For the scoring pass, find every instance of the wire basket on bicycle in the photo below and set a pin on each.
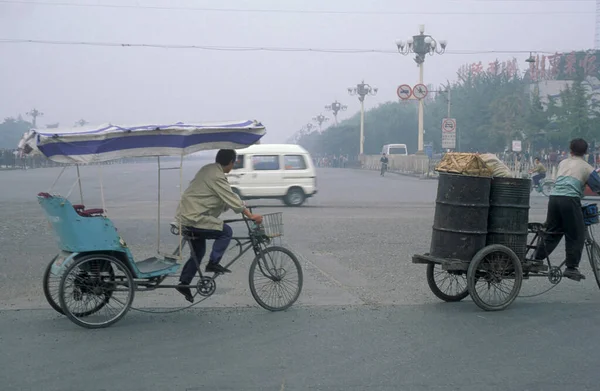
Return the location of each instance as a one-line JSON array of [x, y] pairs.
[[271, 227]]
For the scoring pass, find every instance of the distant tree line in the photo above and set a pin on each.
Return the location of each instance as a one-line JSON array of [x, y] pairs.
[[491, 108]]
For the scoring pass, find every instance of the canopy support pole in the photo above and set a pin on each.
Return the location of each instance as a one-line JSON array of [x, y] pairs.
[[180, 195], [158, 224], [57, 178], [79, 180], [102, 191]]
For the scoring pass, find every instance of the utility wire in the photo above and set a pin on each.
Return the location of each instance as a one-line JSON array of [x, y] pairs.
[[316, 12], [254, 49]]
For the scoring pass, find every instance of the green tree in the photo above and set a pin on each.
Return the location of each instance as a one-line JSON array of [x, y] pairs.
[[576, 115], [11, 131], [491, 109]]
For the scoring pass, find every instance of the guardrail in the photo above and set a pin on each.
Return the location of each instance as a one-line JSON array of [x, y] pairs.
[[423, 166], [414, 165]]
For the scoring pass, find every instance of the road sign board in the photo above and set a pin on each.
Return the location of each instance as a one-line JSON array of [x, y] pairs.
[[449, 125], [516, 145], [449, 133], [404, 92], [420, 91]]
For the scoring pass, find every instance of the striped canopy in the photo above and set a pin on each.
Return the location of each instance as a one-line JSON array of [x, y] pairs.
[[109, 142]]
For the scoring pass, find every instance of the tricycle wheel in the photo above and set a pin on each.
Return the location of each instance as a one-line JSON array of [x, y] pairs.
[[594, 255], [51, 284], [96, 291], [494, 277], [547, 187], [275, 278], [448, 286]]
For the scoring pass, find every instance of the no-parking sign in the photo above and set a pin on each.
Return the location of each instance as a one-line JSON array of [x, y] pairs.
[[449, 133]]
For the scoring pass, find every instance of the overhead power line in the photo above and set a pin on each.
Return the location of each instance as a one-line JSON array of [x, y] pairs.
[[255, 48], [299, 12]]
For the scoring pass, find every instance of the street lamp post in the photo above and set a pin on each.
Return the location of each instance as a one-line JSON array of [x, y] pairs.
[[320, 119], [34, 114], [362, 90], [421, 45], [336, 107]]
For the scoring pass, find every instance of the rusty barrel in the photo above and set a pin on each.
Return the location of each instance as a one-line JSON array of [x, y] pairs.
[[460, 224], [509, 214]]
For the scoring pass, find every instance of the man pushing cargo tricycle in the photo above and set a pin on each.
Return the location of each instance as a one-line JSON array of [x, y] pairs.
[[483, 244]]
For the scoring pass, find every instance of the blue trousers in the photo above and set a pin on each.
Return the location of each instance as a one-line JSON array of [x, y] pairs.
[[537, 178], [198, 249]]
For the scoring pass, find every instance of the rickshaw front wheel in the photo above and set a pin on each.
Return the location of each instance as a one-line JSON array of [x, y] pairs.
[[96, 291]]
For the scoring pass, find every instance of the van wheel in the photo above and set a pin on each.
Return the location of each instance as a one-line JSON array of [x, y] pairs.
[[294, 197]]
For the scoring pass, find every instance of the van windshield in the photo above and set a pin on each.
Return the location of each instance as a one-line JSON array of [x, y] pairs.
[[397, 151]]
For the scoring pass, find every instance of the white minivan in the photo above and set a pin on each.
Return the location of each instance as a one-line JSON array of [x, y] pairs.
[[395, 149], [276, 171]]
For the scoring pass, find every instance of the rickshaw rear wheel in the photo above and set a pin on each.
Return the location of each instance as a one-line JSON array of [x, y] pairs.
[[51, 287], [101, 280], [453, 286], [489, 269]]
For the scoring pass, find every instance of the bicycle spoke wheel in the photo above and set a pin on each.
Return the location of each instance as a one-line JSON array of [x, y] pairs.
[[275, 278], [547, 188], [494, 277], [96, 291], [445, 285], [51, 284], [594, 255]]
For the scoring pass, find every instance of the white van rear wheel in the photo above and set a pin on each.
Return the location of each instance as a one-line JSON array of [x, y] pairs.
[[294, 197]]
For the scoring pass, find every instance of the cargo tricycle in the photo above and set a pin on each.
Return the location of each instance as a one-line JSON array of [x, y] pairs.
[[483, 244]]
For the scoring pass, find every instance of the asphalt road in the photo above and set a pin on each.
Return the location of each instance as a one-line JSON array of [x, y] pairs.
[[366, 318]]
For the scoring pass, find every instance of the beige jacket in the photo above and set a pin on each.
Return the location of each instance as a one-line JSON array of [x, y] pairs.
[[208, 195]]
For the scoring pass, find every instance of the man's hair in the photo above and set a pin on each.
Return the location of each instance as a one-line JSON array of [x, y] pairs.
[[537, 158], [225, 157], [578, 147]]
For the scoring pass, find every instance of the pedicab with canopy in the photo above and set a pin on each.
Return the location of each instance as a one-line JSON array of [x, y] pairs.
[[94, 277]]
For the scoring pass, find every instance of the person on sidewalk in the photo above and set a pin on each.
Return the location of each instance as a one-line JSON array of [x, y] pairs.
[[565, 216], [206, 198]]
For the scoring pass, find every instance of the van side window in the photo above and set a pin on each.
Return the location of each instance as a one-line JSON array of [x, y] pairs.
[[239, 162], [265, 162], [294, 162]]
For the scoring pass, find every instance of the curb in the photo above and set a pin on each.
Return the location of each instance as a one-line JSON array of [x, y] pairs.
[[418, 176]]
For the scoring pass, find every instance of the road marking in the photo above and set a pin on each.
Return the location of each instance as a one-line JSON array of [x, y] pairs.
[[299, 254], [330, 277]]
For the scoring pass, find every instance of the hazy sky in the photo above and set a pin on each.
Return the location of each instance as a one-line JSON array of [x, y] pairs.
[[284, 90]]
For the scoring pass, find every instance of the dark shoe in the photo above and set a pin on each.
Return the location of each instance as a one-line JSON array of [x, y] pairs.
[[573, 274], [216, 268], [186, 292]]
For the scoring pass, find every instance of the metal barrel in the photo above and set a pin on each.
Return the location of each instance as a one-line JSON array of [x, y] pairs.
[[461, 216], [509, 214]]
